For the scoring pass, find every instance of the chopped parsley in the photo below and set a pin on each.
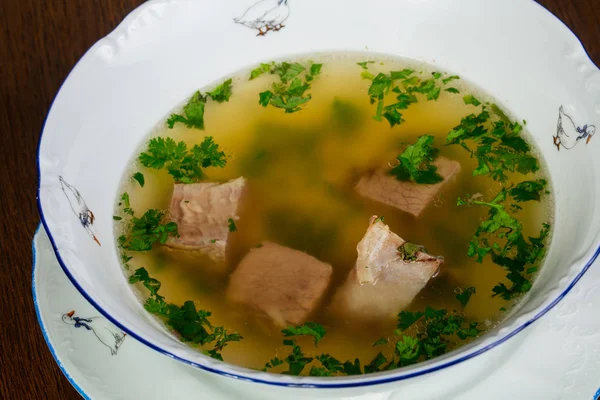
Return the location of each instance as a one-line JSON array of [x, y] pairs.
[[193, 111], [126, 204], [529, 190], [146, 231], [221, 93], [139, 177], [183, 164], [231, 225], [406, 85], [439, 333], [364, 64], [465, 295], [289, 93], [470, 99], [310, 328], [502, 238], [496, 142], [408, 251], [439, 327], [192, 325], [416, 163], [296, 360]]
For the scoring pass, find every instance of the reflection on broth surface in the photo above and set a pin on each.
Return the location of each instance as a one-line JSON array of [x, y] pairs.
[[301, 168]]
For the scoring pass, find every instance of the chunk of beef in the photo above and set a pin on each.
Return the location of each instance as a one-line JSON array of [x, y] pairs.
[[407, 196], [285, 284], [383, 282], [202, 212]]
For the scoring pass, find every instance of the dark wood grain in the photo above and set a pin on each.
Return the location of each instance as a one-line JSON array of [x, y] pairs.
[[40, 41]]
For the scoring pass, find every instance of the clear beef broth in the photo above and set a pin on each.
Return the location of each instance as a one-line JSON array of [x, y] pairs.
[[301, 169]]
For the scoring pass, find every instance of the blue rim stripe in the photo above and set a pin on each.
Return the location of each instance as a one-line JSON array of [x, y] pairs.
[[285, 384], [38, 313]]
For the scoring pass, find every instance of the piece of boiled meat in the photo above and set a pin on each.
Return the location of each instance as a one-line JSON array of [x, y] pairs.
[[407, 196], [386, 277], [202, 212], [285, 284]]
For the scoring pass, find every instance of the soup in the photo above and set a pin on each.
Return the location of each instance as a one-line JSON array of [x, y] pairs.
[[341, 216]]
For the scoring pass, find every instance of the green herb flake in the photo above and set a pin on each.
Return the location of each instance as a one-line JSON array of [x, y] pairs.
[[465, 295], [450, 79], [194, 113], [289, 93], [501, 237], [192, 325], [416, 163], [495, 144], [470, 99], [231, 225], [380, 342], [139, 177], [528, 190], [364, 64], [408, 251], [406, 319], [262, 69], [221, 93], [408, 350], [375, 364], [310, 329], [185, 166], [144, 232]]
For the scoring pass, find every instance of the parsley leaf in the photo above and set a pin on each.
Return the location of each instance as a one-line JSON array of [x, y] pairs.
[[435, 339], [364, 64], [408, 349], [528, 190], [296, 360], [231, 225], [193, 111], [470, 99], [139, 177], [310, 328], [406, 319], [375, 364], [126, 204], [141, 275], [416, 163], [498, 146], [465, 295], [146, 231], [380, 341], [222, 92], [191, 324], [185, 166], [332, 364], [289, 93], [408, 251], [274, 362], [262, 69], [501, 237], [352, 368]]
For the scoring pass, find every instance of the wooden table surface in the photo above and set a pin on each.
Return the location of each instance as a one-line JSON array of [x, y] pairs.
[[40, 41]]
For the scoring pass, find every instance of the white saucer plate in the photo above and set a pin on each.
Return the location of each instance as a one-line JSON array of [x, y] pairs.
[[555, 358]]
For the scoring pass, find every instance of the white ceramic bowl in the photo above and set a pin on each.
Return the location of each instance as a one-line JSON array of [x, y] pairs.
[[166, 49]]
